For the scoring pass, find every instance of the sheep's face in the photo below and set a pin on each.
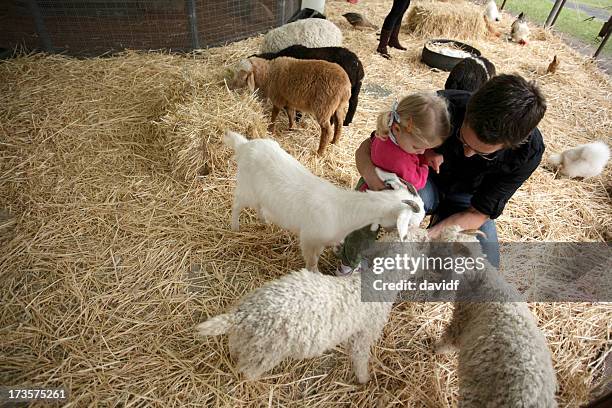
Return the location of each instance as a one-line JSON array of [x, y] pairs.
[[241, 76]]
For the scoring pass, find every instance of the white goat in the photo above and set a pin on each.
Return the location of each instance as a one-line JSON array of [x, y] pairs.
[[309, 32], [504, 360], [302, 315], [587, 160], [285, 193]]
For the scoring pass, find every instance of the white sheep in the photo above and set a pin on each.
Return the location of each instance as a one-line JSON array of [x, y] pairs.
[[287, 194], [504, 360], [491, 11], [310, 32], [302, 315], [587, 160]]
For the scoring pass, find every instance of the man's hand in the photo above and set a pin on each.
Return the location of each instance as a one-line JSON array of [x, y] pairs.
[[468, 219], [433, 159]]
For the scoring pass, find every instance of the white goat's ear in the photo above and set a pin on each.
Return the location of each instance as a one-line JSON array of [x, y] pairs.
[[251, 81], [403, 224], [391, 180], [413, 205]]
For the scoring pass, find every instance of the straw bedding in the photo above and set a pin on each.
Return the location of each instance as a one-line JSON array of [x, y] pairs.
[[114, 227]]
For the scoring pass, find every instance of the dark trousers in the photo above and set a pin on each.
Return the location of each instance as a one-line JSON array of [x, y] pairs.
[[396, 14]]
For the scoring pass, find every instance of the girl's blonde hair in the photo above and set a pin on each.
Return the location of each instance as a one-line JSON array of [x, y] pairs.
[[428, 113]]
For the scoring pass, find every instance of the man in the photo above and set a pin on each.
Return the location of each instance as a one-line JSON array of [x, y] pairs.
[[493, 148]]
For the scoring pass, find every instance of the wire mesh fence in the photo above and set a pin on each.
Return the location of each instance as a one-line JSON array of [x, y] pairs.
[[94, 27]]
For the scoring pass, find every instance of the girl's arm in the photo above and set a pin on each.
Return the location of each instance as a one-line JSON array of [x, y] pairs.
[[366, 167]]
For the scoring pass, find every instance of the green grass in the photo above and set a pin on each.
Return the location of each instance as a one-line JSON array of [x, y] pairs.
[[570, 21]]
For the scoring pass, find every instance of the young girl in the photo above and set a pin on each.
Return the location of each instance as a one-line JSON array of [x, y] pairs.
[[418, 122]]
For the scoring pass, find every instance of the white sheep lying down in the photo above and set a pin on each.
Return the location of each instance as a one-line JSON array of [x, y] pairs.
[[302, 315], [310, 32], [286, 193], [504, 360]]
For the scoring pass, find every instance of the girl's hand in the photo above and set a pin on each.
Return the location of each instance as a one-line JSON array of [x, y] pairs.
[[433, 159]]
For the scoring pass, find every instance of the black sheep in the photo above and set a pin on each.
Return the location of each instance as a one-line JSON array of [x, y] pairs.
[[470, 74], [338, 55]]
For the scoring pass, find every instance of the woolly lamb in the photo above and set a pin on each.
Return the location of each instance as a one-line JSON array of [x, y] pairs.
[[311, 32], [285, 193], [470, 74], [587, 160], [302, 315], [318, 87], [504, 360], [338, 55]]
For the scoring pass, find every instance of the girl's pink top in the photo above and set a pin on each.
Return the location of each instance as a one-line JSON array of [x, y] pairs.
[[408, 166]]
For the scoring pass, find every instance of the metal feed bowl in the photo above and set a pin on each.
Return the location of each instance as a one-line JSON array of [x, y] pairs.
[[445, 62]]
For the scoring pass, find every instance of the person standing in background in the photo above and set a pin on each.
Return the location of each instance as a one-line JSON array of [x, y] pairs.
[[391, 28]]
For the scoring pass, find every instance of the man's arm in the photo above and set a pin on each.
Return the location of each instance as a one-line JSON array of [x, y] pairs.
[[468, 219], [366, 167]]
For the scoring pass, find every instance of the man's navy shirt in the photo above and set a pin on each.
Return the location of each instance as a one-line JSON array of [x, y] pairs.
[[491, 182]]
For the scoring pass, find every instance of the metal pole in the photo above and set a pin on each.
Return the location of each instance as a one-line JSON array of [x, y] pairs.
[[559, 12], [193, 24], [553, 13], [603, 43], [503, 4], [39, 23]]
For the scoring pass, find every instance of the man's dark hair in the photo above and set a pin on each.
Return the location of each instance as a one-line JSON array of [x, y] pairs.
[[505, 110]]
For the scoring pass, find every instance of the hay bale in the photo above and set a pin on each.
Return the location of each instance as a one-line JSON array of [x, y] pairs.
[[446, 20]]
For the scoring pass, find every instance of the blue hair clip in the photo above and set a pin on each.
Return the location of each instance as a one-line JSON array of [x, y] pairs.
[[393, 118]]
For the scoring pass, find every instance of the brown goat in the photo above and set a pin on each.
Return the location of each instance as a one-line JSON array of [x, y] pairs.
[[318, 87]]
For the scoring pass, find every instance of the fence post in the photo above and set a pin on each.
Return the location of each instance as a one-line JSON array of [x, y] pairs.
[[605, 39], [193, 24], [39, 23], [558, 12], [553, 13]]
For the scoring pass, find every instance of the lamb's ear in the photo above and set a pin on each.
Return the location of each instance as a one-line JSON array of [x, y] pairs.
[[413, 205], [403, 224], [474, 233], [251, 81]]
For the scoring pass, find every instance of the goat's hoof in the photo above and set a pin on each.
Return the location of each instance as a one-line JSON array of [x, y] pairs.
[[363, 378]]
